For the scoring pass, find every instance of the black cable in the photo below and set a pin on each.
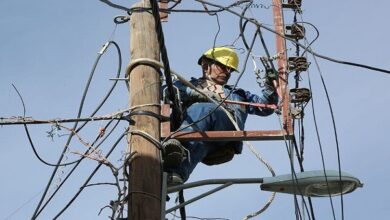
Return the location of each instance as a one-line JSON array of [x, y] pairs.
[[242, 26], [176, 3], [96, 110], [336, 137], [28, 133], [266, 51], [78, 163], [216, 34], [176, 111], [90, 177], [113, 84], [321, 151], [115, 5], [333, 120], [78, 116], [159, 117], [182, 209], [300, 160], [316, 38], [295, 184]]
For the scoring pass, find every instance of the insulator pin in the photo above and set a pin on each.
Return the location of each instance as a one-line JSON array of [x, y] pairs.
[[296, 31], [300, 95], [298, 64]]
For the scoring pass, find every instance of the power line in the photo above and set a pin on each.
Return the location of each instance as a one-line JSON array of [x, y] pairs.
[[78, 163], [89, 178], [102, 51]]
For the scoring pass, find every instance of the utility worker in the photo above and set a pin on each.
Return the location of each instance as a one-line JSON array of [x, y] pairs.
[[217, 64]]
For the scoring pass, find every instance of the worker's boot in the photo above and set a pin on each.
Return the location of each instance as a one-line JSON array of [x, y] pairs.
[[173, 153]]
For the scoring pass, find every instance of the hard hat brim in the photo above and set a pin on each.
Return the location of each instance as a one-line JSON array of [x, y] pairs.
[[204, 57]]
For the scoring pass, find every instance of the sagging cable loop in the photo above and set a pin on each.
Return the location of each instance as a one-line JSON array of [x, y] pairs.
[[120, 19], [148, 137]]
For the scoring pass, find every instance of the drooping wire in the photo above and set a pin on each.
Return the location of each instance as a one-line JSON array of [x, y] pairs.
[[78, 163], [28, 134], [90, 177], [335, 135], [79, 114], [333, 121], [320, 147], [316, 37]]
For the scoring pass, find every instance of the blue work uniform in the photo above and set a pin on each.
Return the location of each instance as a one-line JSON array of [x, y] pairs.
[[217, 120]]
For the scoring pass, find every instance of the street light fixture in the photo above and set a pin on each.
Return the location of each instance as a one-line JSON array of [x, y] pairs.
[[317, 183]]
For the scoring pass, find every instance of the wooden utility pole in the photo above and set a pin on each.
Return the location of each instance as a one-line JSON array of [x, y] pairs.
[[144, 196]]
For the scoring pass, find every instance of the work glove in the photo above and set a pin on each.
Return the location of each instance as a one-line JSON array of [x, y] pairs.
[[270, 76], [198, 97]]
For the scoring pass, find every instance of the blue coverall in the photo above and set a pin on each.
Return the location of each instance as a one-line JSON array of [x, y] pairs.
[[216, 121]]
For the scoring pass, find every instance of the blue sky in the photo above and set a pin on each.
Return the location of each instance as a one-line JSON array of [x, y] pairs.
[[47, 51]]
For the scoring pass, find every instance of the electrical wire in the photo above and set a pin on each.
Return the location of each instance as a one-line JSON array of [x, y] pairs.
[[333, 123], [27, 132], [79, 114], [320, 147], [316, 37], [78, 163], [90, 177], [293, 175], [335, 134]]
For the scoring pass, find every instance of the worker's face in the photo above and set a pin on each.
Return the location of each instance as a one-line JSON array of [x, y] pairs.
[[218, 73]]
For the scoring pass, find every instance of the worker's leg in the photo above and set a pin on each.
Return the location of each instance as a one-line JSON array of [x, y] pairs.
[[211, 121]]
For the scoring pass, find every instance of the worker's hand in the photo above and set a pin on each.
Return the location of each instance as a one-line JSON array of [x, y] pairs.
[[198, 97], [270, 76]]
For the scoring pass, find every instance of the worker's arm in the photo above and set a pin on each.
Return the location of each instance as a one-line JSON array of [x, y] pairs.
[[268, 95]]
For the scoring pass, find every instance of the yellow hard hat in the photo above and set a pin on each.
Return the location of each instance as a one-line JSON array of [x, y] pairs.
[[223, 55]]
